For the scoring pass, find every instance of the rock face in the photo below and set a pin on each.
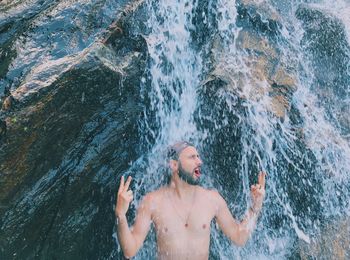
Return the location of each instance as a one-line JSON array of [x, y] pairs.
[[332, 242], [326, 41], [61, 157], [69, 124], [269, 74], [63, 148], [261, 70]]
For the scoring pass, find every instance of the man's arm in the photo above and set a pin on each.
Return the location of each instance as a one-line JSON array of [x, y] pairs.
[[131, 239], [239, 233]]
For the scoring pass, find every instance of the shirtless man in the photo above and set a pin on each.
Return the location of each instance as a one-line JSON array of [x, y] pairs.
[[183, 211]]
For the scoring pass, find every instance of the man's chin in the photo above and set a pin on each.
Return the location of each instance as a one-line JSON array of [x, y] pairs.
[[189, 179], [194, 182]]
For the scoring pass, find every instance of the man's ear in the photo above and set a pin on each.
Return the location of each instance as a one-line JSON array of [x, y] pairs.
[[174, 165]]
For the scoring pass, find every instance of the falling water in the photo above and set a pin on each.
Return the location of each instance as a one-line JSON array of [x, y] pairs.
[[305, 151], [256, 85]]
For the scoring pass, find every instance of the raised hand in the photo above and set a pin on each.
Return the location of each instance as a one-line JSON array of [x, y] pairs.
[[257, 192], [124, 197]]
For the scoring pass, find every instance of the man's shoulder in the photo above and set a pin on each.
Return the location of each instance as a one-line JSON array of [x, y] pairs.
[[209, 191], [211, 194], [150, 200], [155, 195]]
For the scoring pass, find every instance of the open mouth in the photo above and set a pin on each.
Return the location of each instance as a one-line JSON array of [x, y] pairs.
[[197, 172]]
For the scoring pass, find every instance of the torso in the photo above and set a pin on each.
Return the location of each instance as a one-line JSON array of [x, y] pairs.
[[175, 239]]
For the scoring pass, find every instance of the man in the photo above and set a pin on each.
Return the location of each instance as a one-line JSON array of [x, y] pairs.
[[182, 211]]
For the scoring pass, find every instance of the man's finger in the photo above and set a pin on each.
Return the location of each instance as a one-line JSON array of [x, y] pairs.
[[127, 183], [261, 179], [121, 185], [253, 188]]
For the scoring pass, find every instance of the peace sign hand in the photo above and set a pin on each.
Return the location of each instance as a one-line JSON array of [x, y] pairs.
[[124, 197], [257, 192]]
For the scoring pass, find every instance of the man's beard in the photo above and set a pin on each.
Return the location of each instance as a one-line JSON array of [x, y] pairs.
[[187, 176]]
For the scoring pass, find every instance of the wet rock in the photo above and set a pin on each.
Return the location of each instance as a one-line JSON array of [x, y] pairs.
[[266, 72], [6, 56], [121, 24], [8, 103], [43, 148], [267, 75], [279, 105], [252, 42], [3, 129], [49, 138], [7, 91], [344, 119], [264, 59], [332, 243], [326, 42], [263, 8], [16, 18], [258, 16], [74, 132], [283, 78]]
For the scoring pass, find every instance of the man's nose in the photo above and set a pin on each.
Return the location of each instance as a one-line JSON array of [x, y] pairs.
[[199, 161]]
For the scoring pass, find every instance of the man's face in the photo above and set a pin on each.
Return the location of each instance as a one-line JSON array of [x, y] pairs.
[[189, 166]]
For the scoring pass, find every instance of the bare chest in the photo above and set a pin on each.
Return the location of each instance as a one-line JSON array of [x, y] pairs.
[[175, 221]]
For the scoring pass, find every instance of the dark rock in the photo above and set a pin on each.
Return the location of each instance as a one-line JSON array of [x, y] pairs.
[[3, 129], [126, 20], [7, 91], [326, 43], [8, 103], [265, 66], [332, 242], [258, 17], [13, 26], [69, 142], [325, 39]]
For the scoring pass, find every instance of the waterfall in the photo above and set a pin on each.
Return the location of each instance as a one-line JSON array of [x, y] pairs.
[[236, 126], [256, 85]]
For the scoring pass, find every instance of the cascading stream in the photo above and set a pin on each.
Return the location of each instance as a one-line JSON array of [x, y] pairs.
[[303, 168], [256, 85], [174, 71]]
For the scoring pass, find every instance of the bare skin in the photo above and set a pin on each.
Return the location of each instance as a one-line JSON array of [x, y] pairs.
[[182, 214]]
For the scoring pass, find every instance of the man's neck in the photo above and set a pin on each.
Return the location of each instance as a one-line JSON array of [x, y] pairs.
[[182, 189]]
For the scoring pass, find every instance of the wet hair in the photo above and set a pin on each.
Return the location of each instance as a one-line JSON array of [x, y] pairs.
[[175, 149]]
